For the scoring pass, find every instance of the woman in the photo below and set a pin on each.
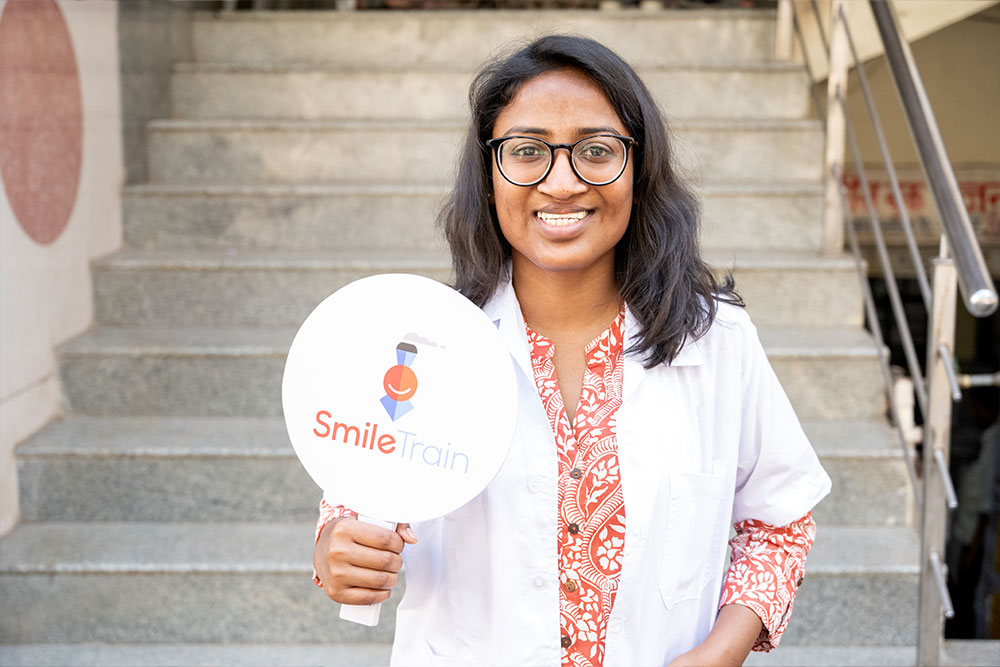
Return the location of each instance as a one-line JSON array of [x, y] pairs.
[[649, 417]]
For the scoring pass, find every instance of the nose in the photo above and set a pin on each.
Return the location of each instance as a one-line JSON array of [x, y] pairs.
[[562, 182]]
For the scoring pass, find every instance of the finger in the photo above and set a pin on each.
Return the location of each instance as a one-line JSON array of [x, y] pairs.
[[405, 532], [359, 577], [358, 555], [376, 537], [361, 596]]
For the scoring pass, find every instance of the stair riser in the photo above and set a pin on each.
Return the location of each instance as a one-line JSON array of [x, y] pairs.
[[228, 607], [162, 384], [868, 492], [224, 298], [284, 297], [340, 222], [406, 221], [854, 610], [422, 155], [466, 39], [832, 387], [253, 607], [442, 94]]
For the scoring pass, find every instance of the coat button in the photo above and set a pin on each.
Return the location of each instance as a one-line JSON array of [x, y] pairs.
[[573, 529], [576, 473], [566, 641], [570, 586]]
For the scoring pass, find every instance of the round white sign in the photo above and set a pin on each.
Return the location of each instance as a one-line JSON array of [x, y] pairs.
[[399, 398]]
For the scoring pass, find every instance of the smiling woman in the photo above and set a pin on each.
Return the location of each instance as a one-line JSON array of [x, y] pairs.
[[649, 419]]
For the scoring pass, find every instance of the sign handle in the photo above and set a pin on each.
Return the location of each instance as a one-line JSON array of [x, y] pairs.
[[365, 614]]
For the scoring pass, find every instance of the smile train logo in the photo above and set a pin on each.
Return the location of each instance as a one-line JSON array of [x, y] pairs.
[[400, 382]]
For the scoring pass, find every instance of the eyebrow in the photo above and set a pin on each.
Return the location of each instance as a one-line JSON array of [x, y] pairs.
[[581, 131]]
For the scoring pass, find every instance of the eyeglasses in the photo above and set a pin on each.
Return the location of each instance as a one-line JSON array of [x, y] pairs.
[[597, 160]]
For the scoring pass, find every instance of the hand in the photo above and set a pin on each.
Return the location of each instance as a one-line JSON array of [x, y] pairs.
[[358, 563]]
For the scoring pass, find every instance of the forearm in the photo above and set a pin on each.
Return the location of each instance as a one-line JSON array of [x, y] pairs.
[[729, 643]]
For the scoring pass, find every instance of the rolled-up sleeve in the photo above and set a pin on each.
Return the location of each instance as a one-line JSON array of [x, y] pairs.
[[768, 566], [328, 513]]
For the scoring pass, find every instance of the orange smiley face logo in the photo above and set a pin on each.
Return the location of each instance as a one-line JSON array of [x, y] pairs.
[[400, 383]]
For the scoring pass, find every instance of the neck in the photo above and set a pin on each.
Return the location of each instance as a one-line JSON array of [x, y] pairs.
[[567, 303]]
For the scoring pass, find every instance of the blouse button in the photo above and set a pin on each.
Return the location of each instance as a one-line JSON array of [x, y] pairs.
[[570, 586], [576, 473], [566, 641], [535, 484], [573, 529], [539, 582]]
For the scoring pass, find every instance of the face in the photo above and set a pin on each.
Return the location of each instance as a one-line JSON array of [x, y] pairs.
[[562, 224]]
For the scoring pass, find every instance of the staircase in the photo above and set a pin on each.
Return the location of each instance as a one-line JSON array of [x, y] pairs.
[[166, 519]]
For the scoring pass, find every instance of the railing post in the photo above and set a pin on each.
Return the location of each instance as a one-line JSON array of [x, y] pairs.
[[783, 31], [933, 594], [833, 215]]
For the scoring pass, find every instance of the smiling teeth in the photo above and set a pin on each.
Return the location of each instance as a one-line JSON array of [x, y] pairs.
[[561, 219]]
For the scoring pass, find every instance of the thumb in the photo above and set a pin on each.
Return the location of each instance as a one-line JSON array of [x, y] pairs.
[[406, 533]]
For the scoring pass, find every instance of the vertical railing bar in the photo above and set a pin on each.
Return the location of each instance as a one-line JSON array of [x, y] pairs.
[[904, 215], [876, 328], [949, 487], [949, 370], [887, 272], [949, 610]]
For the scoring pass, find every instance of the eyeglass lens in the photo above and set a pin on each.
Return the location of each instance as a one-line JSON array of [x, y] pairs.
[[598, 160]]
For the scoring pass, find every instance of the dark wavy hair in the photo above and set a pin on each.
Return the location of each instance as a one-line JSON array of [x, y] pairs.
[[668, 287]]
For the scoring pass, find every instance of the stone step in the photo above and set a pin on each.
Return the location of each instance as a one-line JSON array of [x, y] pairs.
[[828, 373], [957, 653], [308, 92], [400, 217], [228, 469], [469, 38], [231, 582], [365, 152], [236, 288]]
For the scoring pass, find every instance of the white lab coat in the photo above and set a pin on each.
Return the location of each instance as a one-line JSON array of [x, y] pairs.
[[706, 441]]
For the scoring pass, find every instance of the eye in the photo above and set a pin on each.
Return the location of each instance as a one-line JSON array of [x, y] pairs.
[[598, 150], [525, 150]]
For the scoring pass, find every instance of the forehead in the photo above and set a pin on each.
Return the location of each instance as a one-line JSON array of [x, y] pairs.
[[560, 102]]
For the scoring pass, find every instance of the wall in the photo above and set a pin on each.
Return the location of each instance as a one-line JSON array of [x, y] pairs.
[[60, 199]]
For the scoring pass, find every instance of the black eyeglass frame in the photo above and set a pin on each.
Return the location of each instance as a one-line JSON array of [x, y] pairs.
[[495, 145]]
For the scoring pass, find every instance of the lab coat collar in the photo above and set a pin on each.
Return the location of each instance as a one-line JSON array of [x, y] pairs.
[[505, 311]]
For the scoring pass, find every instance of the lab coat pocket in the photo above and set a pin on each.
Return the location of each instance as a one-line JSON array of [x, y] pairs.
[[693, 535]]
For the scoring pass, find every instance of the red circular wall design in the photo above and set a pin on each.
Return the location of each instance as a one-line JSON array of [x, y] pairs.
[[41, 117]]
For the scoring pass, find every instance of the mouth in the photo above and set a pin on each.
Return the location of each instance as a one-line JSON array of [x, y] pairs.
[[562, 219]]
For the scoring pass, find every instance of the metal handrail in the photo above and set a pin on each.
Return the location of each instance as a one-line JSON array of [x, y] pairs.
[[978, 292]]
